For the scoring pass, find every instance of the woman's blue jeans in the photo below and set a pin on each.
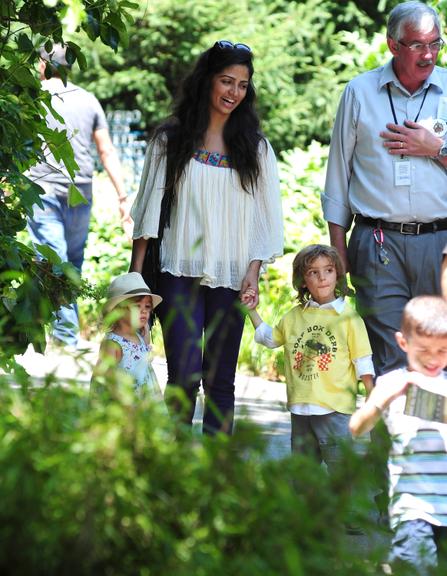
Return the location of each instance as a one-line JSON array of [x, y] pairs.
[[202, 330]]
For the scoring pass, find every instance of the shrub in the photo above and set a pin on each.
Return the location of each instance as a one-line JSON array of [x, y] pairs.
[[301, 68], [302, 179], [30, 291], [105, 486]]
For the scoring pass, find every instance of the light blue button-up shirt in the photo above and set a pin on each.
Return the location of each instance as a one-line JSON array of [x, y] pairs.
[[360, 172]]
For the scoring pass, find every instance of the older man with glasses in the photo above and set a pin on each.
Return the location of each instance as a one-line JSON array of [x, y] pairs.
[[387, 173]]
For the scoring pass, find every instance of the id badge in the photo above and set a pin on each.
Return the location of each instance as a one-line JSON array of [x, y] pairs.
[[402, 172]]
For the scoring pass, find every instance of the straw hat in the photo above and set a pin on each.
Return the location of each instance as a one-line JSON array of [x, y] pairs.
[[128, 286]]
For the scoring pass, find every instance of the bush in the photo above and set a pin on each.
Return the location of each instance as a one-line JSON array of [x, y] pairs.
[[104, 486], [302, 179], [107, 254], [30, 291], [300, 69]]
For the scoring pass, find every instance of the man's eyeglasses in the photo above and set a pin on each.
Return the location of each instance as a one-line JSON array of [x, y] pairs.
[[227, 45], [420, 47]]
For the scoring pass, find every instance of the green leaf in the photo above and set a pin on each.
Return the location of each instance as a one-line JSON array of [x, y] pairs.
[[6, 9], [82, 62], [120, 26], [75, 196], [92, 24], [130, 19], [30, 194], [70, 55], [47, 100], [48, 253], [63, 73], [13, 259], [24, 43], [116, 22], [110, 36], [71, 272], [78, 55], [128, 4], [48, 72], [48, 46], [60, 148], [23, 77]]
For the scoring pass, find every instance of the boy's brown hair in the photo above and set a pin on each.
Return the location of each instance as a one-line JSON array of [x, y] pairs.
[[425, 316], [302, 263]]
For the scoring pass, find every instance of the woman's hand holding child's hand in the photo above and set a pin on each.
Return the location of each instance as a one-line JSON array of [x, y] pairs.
[[249, 298]]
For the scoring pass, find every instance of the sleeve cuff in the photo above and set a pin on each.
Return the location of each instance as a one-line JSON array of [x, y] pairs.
[[264, 335], [363, 366]]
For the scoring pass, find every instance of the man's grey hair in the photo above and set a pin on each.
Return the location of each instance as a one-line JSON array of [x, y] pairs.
[[416, 15]]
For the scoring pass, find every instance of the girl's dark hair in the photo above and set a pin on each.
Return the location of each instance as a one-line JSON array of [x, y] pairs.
[[186, 127], [302, 263]]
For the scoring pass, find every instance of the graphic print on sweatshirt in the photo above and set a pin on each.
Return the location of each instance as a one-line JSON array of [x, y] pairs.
[[314, 350]]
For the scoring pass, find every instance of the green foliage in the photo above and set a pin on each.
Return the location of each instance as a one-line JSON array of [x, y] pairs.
[[30, 290], [302, 180], [107, 486], [302, 174], [300, 69], [107, 255]]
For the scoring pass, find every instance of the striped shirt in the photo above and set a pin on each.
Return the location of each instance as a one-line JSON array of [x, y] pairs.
[[417, 461]]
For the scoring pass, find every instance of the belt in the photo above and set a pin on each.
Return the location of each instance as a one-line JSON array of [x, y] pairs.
[[412, 228]]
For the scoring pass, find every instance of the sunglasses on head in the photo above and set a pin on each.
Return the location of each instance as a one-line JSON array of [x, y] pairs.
[[227, 45]]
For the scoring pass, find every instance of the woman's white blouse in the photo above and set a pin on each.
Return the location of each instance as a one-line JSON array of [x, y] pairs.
[[216, 228]]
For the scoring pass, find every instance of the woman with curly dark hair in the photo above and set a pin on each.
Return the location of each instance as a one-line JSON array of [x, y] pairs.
[[207, 216]]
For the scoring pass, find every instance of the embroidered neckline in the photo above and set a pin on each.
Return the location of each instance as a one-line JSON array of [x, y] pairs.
[[212, 158]]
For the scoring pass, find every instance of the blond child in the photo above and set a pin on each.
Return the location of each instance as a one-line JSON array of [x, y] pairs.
[[326, 352], [417, 460], [126, 346]]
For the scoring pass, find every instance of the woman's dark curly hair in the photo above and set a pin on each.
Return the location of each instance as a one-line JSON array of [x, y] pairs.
[[185, 129]]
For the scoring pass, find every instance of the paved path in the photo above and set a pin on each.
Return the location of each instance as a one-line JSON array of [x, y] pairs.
[[260, 400]]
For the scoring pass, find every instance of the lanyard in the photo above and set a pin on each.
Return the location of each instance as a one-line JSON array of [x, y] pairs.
[[390, 98]]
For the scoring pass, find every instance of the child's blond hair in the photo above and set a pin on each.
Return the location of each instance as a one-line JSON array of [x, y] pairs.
[[425, 316]]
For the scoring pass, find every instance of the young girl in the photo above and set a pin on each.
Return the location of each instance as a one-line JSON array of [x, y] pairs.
[[326, 352], [127, 345]]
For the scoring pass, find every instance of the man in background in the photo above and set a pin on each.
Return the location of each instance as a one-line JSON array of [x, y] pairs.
[[63, 227]]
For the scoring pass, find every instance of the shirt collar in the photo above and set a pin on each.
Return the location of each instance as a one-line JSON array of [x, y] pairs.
[[387, 75], [338, 305]]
